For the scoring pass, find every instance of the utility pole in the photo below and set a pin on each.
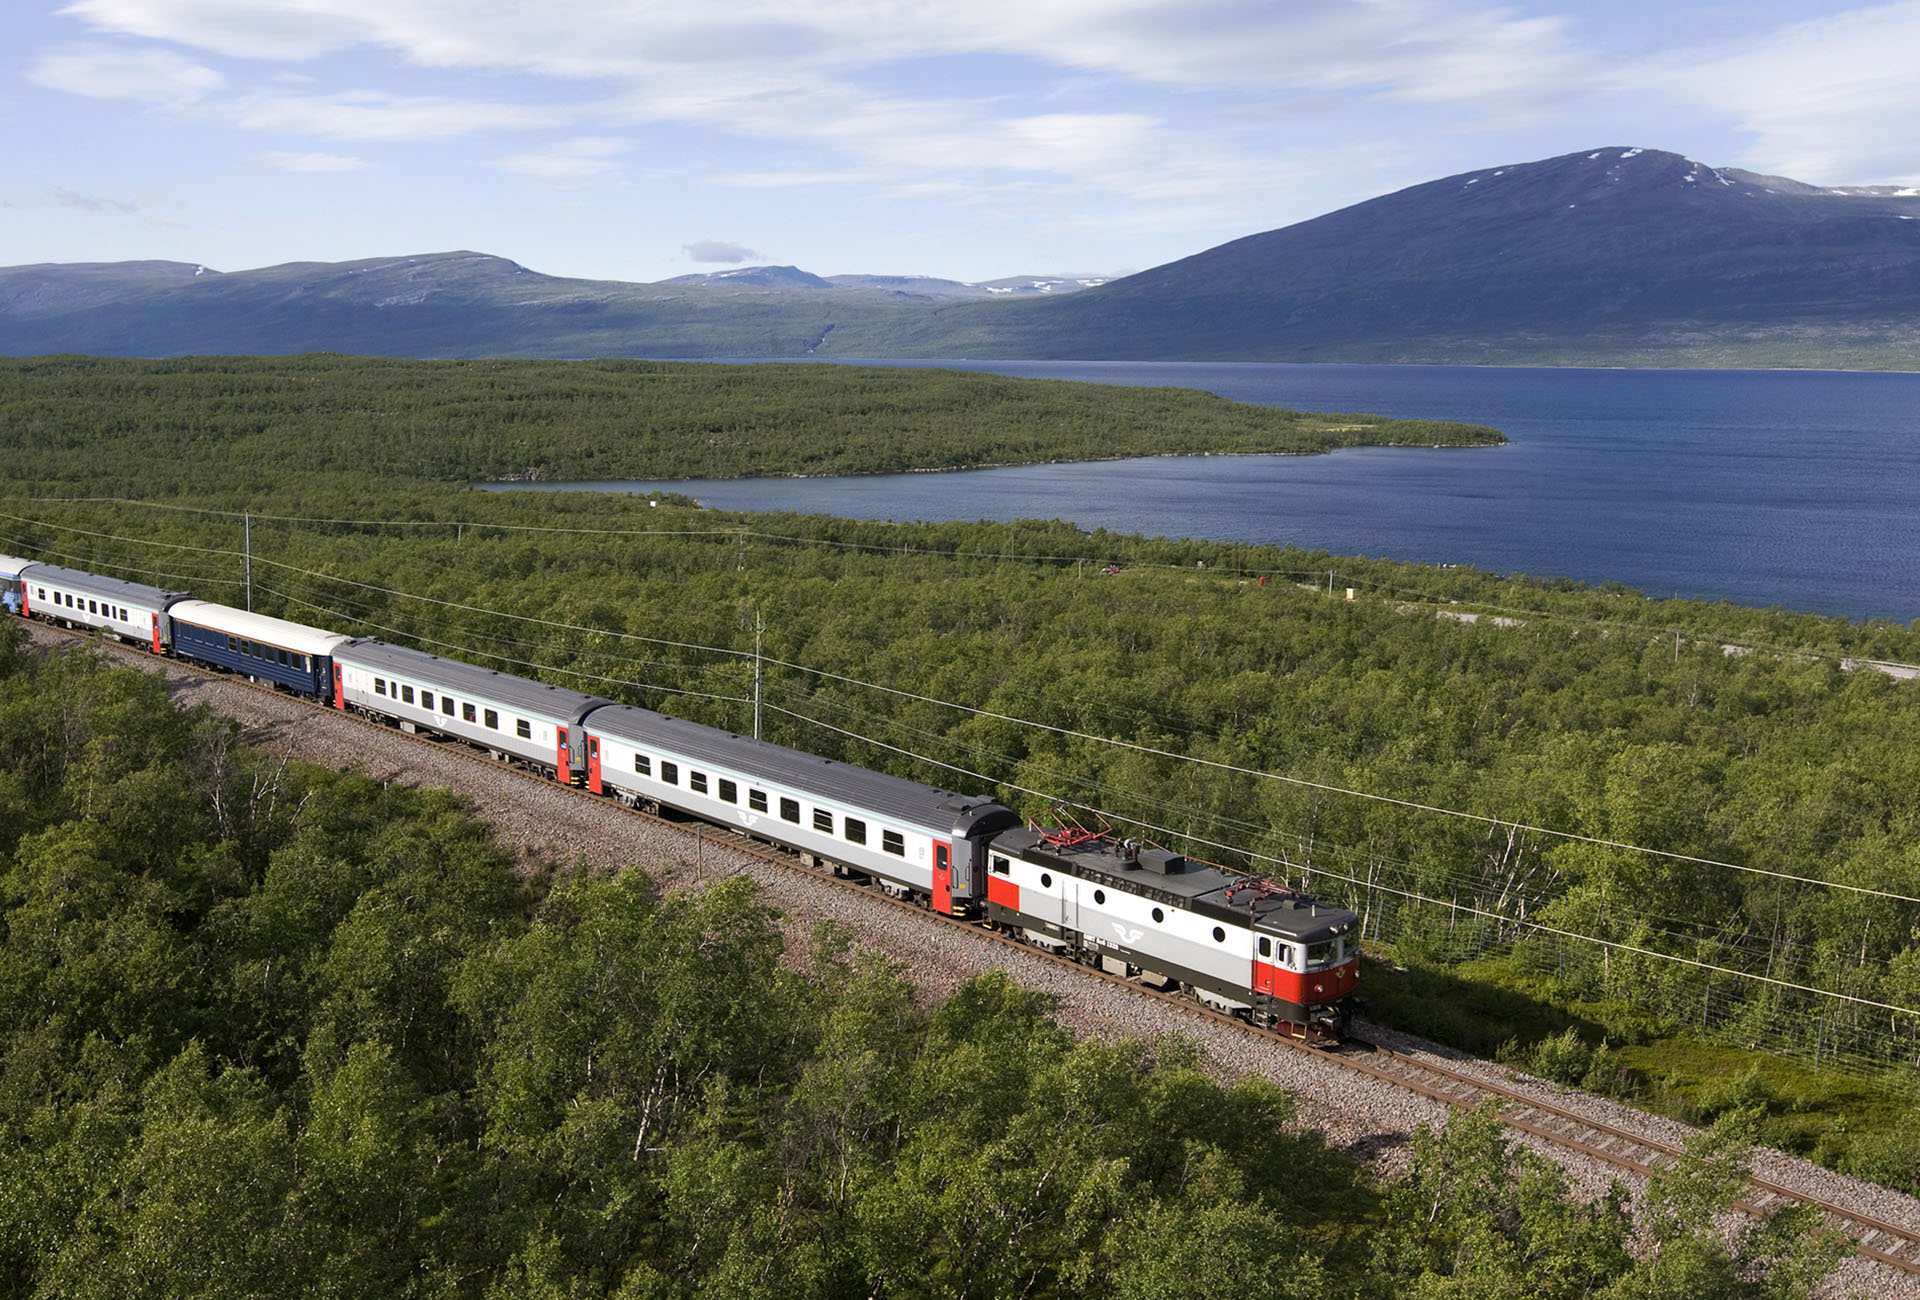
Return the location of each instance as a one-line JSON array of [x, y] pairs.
[[246, 535], [759, 626]]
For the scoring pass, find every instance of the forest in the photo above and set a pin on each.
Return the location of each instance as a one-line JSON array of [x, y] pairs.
[[273, 1030], [270, 423], [1665, 849]]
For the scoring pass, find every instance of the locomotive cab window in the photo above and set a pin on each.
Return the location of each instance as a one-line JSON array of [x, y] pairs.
[[1001, 867], [1266, 946], [1323, 954]]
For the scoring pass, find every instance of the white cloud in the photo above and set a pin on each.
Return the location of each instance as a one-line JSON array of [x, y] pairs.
[[375, 115], [836, 82], [315, 162], [1830, 101], [569, 160], [110, 72], [719, 250], [93, 202], [244, 29]]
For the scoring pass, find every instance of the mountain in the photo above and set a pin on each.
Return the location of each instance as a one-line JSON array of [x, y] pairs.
[[1610, 256]]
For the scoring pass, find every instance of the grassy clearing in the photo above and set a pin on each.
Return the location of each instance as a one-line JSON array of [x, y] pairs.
[[1860, 1126]]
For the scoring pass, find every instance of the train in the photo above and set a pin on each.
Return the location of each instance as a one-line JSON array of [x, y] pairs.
[[1272, 955]]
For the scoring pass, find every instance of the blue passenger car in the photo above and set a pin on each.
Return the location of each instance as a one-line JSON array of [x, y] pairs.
[[275, 650]]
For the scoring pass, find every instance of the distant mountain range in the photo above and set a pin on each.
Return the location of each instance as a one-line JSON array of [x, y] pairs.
[[1611, 256]]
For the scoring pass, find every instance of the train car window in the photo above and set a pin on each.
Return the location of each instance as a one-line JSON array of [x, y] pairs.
[[93, 607], [790, 810], [1099, 896], [855, 830], [284, 658], [379, 686], [468, 713], [1159, 915], [406, 695], [729, 792], [1287, 958], [1219, 935], [523, 729], [446, 705], [492, 719], [697, 781], [1001, 867], [641, 763], [1266, 946], [233, 645], [246, 648], [893, 842], [1046, 881], [302, 663], [823, 820], [1319, 954], [757, 800], [669, 772]]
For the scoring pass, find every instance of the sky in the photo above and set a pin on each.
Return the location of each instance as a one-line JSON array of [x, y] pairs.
[[971, 140]]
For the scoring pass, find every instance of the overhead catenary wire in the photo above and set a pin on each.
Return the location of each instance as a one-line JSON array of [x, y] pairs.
[[1069, 732]]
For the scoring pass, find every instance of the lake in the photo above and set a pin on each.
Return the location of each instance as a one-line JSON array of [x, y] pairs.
[[1792, 488]]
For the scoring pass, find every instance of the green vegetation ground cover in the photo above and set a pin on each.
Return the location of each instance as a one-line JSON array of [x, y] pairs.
[[264, 424], [1591, 710], [271, 1030]]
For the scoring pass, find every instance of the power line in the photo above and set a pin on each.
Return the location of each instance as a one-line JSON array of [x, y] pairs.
[[1072, 733]]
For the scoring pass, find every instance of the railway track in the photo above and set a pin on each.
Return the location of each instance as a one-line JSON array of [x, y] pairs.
[[1522, 1109]]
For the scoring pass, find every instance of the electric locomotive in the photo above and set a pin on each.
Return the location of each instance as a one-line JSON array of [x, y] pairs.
[[1241, 944]]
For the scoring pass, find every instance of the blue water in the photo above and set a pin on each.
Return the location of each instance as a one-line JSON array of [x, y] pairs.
[[1791, 488]]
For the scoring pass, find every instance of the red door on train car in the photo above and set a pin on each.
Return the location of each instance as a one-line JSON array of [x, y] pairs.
[[339, 687], [1266, 976], [563, 760], [943, 877], [593, 765]]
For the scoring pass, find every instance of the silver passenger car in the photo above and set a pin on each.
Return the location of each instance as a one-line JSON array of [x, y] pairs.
[[131, 611], [512, 717], [915, 839]]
